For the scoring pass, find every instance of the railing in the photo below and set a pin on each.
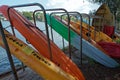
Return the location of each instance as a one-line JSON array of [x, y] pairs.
[[86, 15], [5, 41], [44, 12], [55, 11], [100, 24], [65, 11], [8, 52], [47, 32], [78, 14]]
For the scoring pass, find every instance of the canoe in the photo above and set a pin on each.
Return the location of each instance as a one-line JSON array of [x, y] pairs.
[[87, 48], [39, 40], [34, 60], [108, 28], [95, 35], [103, 42], [113, 49]]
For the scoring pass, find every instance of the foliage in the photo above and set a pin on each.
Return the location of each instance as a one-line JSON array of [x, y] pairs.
[[39, 16], [92, 12], [96, 1], [114, 5], [28, 15], [0, 15], [118, 41]]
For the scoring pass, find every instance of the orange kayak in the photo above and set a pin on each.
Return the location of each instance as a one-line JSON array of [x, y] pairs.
[[39, 41], [35, 61]]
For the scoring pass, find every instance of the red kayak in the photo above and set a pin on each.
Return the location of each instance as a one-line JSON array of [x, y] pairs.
[[113, 49]]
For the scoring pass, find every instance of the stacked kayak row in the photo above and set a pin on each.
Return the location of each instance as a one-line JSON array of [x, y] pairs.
[[40, 42]]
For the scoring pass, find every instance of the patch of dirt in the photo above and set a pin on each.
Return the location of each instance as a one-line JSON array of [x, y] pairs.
[[93, 70]]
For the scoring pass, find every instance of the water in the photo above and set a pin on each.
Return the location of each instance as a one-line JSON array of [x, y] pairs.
[[4, 63]]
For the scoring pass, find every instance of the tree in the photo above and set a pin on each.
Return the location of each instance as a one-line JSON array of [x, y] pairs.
[[114, 6], [92, 12], [28, 15], [39, 16]]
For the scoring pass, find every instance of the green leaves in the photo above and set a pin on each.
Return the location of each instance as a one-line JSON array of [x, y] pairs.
[[28, 15]]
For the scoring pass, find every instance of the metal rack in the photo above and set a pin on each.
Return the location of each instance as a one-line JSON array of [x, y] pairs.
[[58, 9], [8, 52], [54, 11], [73, 13]]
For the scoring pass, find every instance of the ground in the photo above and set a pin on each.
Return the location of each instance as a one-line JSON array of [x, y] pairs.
[[97, 71], [93, 70]]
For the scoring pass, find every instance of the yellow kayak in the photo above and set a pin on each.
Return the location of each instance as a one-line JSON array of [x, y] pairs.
[[31, 58], [94, 35]]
